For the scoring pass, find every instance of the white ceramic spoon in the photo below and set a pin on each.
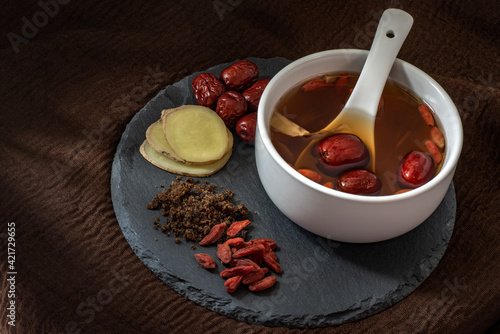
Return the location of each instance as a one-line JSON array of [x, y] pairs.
[[358, 115]]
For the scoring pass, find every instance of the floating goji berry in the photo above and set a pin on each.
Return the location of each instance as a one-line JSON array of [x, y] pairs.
[[341, 85], [254, 276], [437, 137], [433, 151], [232, 283], [329, 185], [214, 234], [224, 253], [205, 260], [236, 271], [426, 114], [263, 284], [316, 85], [236, 227], [311, 175]]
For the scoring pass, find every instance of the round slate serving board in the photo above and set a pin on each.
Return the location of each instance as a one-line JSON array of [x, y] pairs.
[[324, 282]]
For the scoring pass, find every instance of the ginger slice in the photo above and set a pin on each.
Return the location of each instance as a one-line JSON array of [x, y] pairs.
[[172, 166], [156, 138], [195, 133]]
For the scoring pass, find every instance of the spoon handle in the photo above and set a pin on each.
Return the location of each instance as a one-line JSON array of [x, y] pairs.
[[394, 26]]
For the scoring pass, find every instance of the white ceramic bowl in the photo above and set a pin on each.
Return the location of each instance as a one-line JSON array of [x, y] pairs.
[[334, 214]]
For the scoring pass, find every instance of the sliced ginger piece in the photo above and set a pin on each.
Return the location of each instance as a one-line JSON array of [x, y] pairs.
[[195, 133], [176, 167], [156, 138]]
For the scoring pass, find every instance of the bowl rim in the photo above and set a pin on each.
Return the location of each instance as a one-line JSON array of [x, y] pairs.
[[452, 152]]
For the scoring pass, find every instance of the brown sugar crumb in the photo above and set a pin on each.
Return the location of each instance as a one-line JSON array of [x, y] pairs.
[[192, 208], [156, 223]]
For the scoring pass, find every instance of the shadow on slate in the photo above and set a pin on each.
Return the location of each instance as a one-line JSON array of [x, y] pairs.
[[324, 282]]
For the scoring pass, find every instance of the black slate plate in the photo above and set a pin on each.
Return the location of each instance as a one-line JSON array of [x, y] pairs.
[[324, 282]]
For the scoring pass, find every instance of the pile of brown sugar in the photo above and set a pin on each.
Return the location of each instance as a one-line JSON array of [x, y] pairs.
[[192, 208]]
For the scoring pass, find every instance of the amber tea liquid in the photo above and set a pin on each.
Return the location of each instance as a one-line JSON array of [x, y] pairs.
[[399, 127]]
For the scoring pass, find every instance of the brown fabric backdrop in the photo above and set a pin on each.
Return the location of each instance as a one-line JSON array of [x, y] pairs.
[[73, 78]]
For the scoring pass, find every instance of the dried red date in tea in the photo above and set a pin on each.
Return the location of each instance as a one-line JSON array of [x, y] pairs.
[[207, 89], [415, 169], [240, 75], [341, 152], [359, 181], [231, 106]]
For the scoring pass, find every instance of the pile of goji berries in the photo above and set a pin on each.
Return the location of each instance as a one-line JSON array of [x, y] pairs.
[[244, 258]]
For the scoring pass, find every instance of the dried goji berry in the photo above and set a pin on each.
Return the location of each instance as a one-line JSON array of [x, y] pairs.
[[329, 185], [236, 271], [437, 137], [243, 262], [256, 257], [214, 234], [243, 252], [271, 263], [205, 260], [234, 242], [254, 276], [426, 114], [268, 241], [232, 283], [263, 284], [316, 85], [433, 151], [341, 84], [224, 253], [311, 175], [267, 248], [236, 227]]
